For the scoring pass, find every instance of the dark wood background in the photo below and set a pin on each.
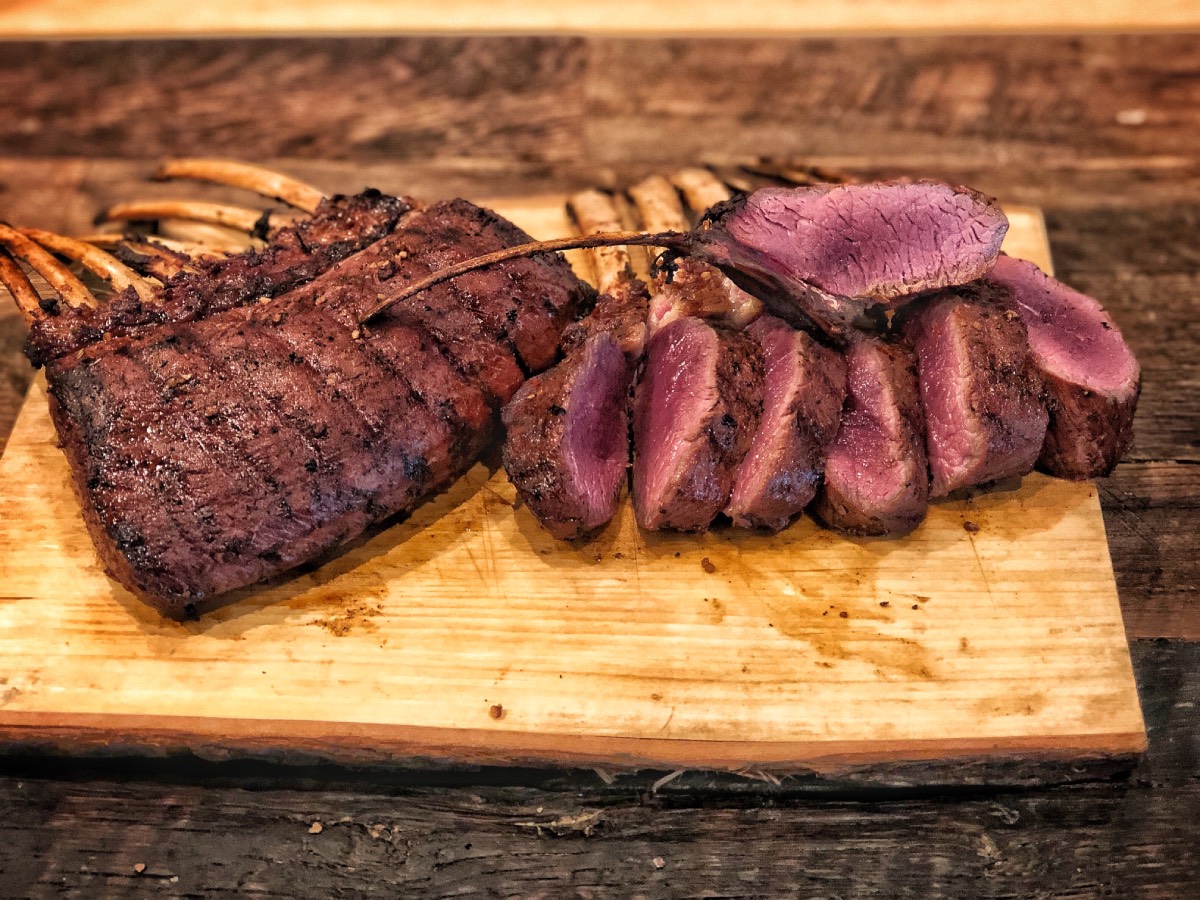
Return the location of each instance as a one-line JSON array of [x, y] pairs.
[[1103, 132]]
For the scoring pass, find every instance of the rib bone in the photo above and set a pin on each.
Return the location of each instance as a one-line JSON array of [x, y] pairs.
[[13, 277], [595, 212], [701, 188], [670, 239], [658, 205], [243, 175], [95, 260], [71, 289], [239, 218]]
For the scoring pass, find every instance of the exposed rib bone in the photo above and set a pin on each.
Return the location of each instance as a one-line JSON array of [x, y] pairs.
[[595, 212], [239, 218], [658, 205], [243, 175], [190, 249], [71, 289], [95, 260], [13, 277], [152, 258], [701, 188], [678, 240], [798, 174], [216, 238]]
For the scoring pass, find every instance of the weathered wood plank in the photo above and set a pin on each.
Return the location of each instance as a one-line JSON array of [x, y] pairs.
[[1042, 103], [219, 833], [1042, 100], [1150, 514], [671, 17], [386, 98]]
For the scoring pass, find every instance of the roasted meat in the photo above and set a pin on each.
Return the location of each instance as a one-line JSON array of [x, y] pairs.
[[225, 440], [876, 475], [803, 391], [566, 448], [1091, 376], [695, 411], [980, 392]]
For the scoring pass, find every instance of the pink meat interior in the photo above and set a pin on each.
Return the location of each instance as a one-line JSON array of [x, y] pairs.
[[677, 392], [778, 342], [1069, 333], [596, 437], [878, 241], [862, 460], [954, 441]]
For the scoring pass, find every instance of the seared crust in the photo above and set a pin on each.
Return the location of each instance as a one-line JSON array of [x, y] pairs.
[[884, 375], [342, 226], [212, 453]]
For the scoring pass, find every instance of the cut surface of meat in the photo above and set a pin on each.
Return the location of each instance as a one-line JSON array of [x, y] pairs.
[[804, 390], [696, 408], [876, 475], [830, 251], [980, 392], [1091, 376], [567, 444], [217, 451]]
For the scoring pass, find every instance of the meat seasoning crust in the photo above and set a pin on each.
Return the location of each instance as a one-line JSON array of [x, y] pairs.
[[239, 439]]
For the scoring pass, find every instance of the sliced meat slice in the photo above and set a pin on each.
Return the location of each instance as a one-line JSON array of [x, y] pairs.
[[828, 252], [980, 392], [1092, 378], [695, 412], [876, 475], [804, 390], [567, 449]]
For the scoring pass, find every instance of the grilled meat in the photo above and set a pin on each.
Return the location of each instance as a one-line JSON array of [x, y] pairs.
[[876, 475], [567, 444], [803, 392], [1091, 376], [696, 409], [215, 452], [980, 392]]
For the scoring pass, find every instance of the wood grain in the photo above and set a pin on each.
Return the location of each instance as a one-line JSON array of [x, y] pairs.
[[671, 17], [1122, 199], [487, 639], [76, 827]]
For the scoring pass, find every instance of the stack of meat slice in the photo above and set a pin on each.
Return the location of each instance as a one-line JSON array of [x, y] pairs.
[[931, 363]]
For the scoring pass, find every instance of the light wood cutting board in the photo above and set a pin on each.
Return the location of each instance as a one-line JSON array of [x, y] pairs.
[[465, 634]]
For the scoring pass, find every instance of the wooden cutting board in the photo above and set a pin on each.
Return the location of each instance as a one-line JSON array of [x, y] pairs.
[[465, 634]]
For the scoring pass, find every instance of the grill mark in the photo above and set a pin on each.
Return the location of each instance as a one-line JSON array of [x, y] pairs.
[[97, 402], [400, 427], [139, 466], [275, 449], [332, 428], [227, 484], [430, 380]]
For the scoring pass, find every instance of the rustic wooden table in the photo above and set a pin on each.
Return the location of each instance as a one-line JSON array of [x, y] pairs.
[[1102, 131]]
